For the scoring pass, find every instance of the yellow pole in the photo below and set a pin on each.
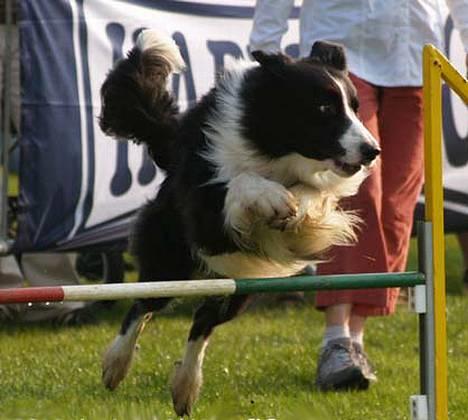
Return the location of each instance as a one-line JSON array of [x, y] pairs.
[[436, 67], [434, 213]]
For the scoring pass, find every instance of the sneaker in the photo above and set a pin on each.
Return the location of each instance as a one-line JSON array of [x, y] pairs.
[[366, 366], [338, 367]]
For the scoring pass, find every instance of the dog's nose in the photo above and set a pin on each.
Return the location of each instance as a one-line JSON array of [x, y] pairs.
[[368, 153]]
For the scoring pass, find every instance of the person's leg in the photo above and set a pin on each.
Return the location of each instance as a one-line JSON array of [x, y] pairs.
[[336, 322], [368, 255], [400, 130], [401, 133], [356, 328]]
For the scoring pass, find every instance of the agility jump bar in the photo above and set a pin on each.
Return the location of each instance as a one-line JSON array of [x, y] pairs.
[[211, 287]]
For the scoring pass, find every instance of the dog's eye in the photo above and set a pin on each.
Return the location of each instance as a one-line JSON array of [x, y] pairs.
[[327, 109]]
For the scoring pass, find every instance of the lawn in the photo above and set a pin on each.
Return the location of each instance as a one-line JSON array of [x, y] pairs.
[[262, 366]]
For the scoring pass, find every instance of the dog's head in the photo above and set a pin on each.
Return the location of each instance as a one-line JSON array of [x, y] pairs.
[[309, 107]]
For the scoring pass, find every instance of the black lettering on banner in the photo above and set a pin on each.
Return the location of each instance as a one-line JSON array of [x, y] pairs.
[[219, 50], [121, 181], [186, 74], [122, 178], [455, 146]]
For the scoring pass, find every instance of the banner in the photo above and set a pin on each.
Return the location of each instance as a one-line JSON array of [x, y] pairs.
[[81, 188]]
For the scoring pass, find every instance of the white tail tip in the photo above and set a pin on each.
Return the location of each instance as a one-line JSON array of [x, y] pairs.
[[164, 45]]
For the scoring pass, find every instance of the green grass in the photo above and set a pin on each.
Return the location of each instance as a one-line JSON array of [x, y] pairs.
[[262, 366]]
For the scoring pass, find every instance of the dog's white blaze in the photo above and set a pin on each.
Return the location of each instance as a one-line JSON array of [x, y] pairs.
[[164, 47], [356, 134]]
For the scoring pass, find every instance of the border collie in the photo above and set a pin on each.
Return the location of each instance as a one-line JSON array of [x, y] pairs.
[[255, 171]]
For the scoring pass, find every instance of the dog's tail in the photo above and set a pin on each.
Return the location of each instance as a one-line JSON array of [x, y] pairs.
[[135, 102]]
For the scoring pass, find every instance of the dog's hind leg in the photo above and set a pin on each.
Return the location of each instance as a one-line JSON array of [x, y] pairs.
[[118, 357], [163, 255], [187, 377]]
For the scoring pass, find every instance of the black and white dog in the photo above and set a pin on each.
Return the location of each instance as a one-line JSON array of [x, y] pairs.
[[255, 172]]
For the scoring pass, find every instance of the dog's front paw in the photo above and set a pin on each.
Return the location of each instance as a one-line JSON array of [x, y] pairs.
[[277, 207], [117, 361], [251, 199], [185, 388], [289, 223]]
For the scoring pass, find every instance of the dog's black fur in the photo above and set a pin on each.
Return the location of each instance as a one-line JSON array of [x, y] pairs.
[[265, 136]]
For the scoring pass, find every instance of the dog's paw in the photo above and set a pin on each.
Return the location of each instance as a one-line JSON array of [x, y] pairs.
[[278, 208], [251, 199], [185, 388], [276, 205], [289, 223], [117, 361]]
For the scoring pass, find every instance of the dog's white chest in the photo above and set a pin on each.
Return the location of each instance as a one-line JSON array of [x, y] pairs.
[[242, 265]]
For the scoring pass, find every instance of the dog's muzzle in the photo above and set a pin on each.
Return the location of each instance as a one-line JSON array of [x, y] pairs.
[[368, 155]]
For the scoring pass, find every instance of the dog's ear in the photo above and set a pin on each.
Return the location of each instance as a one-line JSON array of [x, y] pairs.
[[274, 63], [330, 54]]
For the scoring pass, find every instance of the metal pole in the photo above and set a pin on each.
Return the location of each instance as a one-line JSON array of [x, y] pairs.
[[427, 338], [6, 137], [422, 266]]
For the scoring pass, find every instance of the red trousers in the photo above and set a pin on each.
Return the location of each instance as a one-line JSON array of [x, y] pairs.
[[386, 199]]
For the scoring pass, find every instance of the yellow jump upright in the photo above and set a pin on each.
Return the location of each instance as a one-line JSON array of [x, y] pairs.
[[436, 68]]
